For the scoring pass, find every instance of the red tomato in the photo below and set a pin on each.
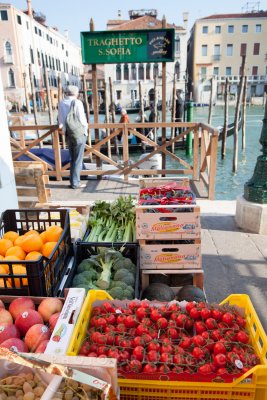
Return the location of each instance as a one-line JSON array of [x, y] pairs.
[[138, 353], [154, 345], [135, 366], [152, 356], [205, 313], [173, 333], [138, 341], [113, 352], [125, 343], [216, 314], [124, 356], [155, 314], [216, 334], [241, 321], [164, 369], [102, 350], [194, 313], [178, 359], [130, 321], [111, 319], [133, 305], [166, 358], [189, 306], [205, 369], [222, 371], [173, 307], [220, 360], [232, 356], [147, 338], [200, 327], [146, 321], [198, 353], [162, 323], [166, 348], [228, 318], [92, 354], [141, 313], [150, 368], [185, 342], [121, 319], [181, 320], [198, 340], [219, 348], [107, 307], [121, 328], [141, 329], [84, 350], [242, 337], [211, 323]]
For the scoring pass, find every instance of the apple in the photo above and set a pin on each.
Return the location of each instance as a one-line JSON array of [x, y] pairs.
[[42, 346], [35, 335], [16, 345], [49, 306], [2, 304], [8, 331], [53, 320], [27, 319], [5, 317], [20, 305]]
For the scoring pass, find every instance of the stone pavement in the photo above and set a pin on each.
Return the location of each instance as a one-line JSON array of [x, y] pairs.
[[234, 261]]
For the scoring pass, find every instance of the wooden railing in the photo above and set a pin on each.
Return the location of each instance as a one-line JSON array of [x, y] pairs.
[[201, 168]]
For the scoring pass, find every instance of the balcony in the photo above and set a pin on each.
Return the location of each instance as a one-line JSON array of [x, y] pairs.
[[216, 57], [8, 59]]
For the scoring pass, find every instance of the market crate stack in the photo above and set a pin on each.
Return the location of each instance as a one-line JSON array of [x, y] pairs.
[[168, 230]]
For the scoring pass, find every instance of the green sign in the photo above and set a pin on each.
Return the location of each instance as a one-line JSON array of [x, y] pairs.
[[113, 47]]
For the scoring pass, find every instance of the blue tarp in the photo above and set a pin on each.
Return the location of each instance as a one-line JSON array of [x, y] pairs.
[[48, 156]]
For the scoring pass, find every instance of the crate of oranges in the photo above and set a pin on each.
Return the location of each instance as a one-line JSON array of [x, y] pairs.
[[35, 249]]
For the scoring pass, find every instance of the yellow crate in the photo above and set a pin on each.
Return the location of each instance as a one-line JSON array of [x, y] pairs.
[[132, 389]]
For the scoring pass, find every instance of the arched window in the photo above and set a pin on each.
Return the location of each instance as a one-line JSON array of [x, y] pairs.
[[126, 72], [156, 70], [133, 70], [177, 69], [8, 49], [148, 71], [118, 72], [11, 78], [141, 72]]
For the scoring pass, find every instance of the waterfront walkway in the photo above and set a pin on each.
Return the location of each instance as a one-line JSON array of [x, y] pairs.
[[234, 261]]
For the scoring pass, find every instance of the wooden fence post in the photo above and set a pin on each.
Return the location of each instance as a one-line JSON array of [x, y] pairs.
[[173, 109], [213, 163], [244, 116], [112, 106], [125, 151], [50, 111], [107, 114], [226, 104], [163, 165]]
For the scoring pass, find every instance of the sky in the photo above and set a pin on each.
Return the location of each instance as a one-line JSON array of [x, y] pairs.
[[75, 15]]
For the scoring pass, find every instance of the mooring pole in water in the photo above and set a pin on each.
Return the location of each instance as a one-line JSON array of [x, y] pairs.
[[189, 137]]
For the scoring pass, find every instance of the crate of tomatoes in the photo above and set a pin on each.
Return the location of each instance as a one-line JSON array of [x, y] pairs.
[[35, 247], [199, 348]]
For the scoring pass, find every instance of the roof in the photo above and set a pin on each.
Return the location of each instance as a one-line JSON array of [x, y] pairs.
[[145, 22], [260, 14]]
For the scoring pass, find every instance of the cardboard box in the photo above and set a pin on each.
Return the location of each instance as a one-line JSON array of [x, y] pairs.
[[62, 333]]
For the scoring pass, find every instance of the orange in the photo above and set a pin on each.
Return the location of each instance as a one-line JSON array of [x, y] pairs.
[[11, 235], [18, 240], [3, 270], [53, 233], [47, 248], [33, 255], [19, 270], [16, 251], [31, 243], [5, 244], [9, 258], [43, 237], [1, 258], [31, 232], [2, 284]]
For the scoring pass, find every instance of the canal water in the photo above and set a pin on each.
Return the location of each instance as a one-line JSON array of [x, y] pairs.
[[228, 184]]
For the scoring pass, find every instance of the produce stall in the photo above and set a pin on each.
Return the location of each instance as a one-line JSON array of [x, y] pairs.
[[115, 320]]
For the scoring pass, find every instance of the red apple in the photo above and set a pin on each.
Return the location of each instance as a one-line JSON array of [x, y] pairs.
[[5, 317], [49, 306], [42, 346], [35, 335], [2, 304], [53, 320], [20, 305], [27, 319], [15, 345], [8, 331]]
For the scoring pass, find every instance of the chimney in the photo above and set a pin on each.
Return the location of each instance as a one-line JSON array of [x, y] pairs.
[[185, 19], [66, 34], [29, 3]]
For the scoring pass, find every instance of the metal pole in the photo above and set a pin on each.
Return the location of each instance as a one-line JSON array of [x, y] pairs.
[[189, 137], [26, 95], [50, 111], [163, 165]]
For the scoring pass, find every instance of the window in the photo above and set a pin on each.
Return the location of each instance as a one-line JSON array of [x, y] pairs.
[[3, 15], [118, 94], [177, 45], [46, 62], [244, 28], [204, 50], [39, 32], [8, 49], [231, 29], [256, 49], [11, 78], [126, 72], [229, 50], [205, 29], [148, 71], [19, 19], [254, 70], [31, 55], [203, 72], [133, 72], [218, 29], [217, 49], [243, 49], [228, 71], [27, 24], [258, 28], [141, 72], [216, 71], [62, 46], [155, 70], [36, 30], [47, 37], [177, 69], [133, 94], [67, 54], [118, 72]]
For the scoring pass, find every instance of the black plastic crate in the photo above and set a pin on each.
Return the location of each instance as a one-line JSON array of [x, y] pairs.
[[84, 250], [43, 277]]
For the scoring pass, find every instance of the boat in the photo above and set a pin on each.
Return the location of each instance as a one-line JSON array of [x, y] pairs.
[[230, 128]]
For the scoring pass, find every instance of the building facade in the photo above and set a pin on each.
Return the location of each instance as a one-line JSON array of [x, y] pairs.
[[26, 39], [126, 76], [215, 49]]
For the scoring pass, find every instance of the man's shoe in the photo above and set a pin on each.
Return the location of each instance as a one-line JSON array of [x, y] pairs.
[[80, 186]]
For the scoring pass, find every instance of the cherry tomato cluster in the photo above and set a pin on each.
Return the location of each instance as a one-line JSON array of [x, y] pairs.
[[147, 338]]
